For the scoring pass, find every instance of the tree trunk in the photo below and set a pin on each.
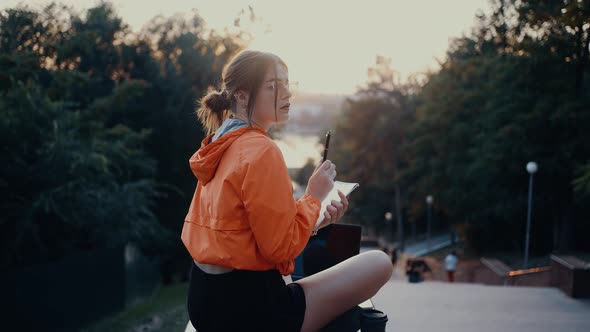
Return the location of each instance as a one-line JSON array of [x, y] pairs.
[[398, 215], [582, 55], [556, 234], [565, 234], [562, 233]]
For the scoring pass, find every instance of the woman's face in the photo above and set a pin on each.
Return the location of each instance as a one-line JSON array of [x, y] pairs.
[[264, 107]]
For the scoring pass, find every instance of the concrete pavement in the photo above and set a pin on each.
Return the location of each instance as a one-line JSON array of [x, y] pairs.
[[443, 307]]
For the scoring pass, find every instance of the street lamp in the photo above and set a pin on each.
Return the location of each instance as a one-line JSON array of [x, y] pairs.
[[388, 217], [429, 201], [531, 168]]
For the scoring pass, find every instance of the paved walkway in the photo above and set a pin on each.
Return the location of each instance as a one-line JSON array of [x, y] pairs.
[[442, 307], [422, 248]]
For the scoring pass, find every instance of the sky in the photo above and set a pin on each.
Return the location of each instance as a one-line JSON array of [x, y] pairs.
[[328, 45]]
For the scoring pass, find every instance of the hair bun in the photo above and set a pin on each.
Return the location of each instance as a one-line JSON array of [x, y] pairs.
[[217, 101]]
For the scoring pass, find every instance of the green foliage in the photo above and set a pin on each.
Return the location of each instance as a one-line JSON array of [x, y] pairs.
[[582, 182], [375, 128], [303, 175], [97, 124]]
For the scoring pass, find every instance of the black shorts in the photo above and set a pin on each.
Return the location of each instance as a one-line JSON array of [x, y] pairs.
[[243, 300]]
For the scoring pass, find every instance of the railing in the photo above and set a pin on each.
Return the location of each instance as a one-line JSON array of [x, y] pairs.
[[568, 273], [494, 272], [537, 277], [516, 273]]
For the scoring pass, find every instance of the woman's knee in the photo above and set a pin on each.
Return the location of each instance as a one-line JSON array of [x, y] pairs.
[[380, 264]]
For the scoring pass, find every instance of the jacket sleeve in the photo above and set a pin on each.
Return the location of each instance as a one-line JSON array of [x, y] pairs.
[[281, 226]]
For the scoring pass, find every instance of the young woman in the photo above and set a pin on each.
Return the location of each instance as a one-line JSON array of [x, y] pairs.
[[244, 229]]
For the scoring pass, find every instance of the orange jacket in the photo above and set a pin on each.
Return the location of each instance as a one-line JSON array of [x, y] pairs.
[[243, 214]]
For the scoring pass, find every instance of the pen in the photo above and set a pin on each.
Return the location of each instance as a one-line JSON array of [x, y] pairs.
[[326, 146]]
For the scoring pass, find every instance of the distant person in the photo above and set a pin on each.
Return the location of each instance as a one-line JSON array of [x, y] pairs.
[[451, 265], [415, 269], [393, 256], [411, 272], [243, 228]]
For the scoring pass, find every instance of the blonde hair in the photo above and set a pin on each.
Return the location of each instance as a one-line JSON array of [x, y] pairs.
[[216, 106]]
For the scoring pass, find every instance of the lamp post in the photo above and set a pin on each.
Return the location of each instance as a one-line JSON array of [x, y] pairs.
[[531, 168], [429, 200], [388, 217]]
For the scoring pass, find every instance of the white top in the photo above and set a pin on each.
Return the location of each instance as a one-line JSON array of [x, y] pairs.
[[451, 262], [213, 269]]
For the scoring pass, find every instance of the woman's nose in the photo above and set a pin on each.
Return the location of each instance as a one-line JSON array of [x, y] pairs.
[[287, 93]]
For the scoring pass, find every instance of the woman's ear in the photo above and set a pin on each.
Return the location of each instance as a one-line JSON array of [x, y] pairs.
[[241, 97]]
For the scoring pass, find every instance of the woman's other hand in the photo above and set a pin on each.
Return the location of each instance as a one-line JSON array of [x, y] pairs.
[[335, 211]]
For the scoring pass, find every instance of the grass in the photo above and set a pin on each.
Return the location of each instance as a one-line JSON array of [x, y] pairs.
[[164, 311]]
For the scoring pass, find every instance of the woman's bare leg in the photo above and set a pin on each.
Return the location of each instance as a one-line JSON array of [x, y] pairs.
[[338, 289]]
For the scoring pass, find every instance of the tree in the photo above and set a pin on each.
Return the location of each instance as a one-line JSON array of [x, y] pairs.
[[499, 101], [513, 91], [99, 123], [374, 129]]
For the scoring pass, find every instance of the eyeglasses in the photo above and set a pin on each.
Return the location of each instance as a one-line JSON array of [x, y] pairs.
[[284, 85]]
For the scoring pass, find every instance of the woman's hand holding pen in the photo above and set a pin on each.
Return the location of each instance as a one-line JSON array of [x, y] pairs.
[[322, 180], [320, 184]]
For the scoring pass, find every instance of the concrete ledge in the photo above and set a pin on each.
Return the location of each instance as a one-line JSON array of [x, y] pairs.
[[491, 272], [571, 275], [497, 266]]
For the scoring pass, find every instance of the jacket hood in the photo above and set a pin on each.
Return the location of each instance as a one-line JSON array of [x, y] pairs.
[[204, 162]]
